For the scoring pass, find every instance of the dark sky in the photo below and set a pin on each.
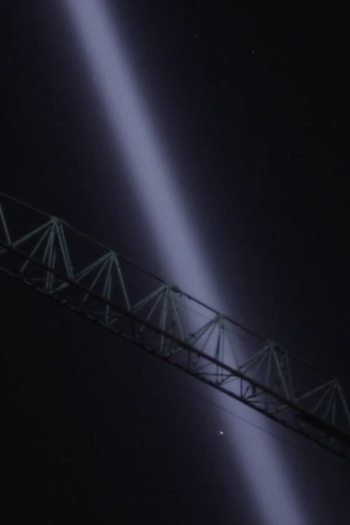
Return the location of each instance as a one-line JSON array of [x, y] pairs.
[[254, 104]]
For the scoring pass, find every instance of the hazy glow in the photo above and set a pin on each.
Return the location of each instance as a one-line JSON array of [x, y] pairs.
[[120, 92]]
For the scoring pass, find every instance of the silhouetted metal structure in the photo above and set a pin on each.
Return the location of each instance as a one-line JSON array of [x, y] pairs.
[[46, 253]]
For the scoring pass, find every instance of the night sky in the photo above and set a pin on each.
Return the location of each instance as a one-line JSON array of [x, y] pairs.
[[253, 106]]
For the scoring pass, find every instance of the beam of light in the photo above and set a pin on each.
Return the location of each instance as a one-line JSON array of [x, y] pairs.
[[155, 182], [144, 155]]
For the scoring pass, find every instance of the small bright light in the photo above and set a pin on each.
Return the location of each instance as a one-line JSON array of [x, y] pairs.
[[221, 433]]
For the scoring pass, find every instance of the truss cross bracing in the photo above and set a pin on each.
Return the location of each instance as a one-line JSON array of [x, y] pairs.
[[46, 253]]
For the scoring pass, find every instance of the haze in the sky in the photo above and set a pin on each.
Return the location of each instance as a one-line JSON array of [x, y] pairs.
[[152, 172]]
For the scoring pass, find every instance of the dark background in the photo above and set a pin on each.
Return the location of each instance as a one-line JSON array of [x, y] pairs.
[[254, 104]]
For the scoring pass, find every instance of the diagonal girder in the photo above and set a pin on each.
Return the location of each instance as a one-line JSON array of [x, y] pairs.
[[66, 265]]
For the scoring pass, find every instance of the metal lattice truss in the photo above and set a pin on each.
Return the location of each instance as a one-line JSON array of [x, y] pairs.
[[46, 253]]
